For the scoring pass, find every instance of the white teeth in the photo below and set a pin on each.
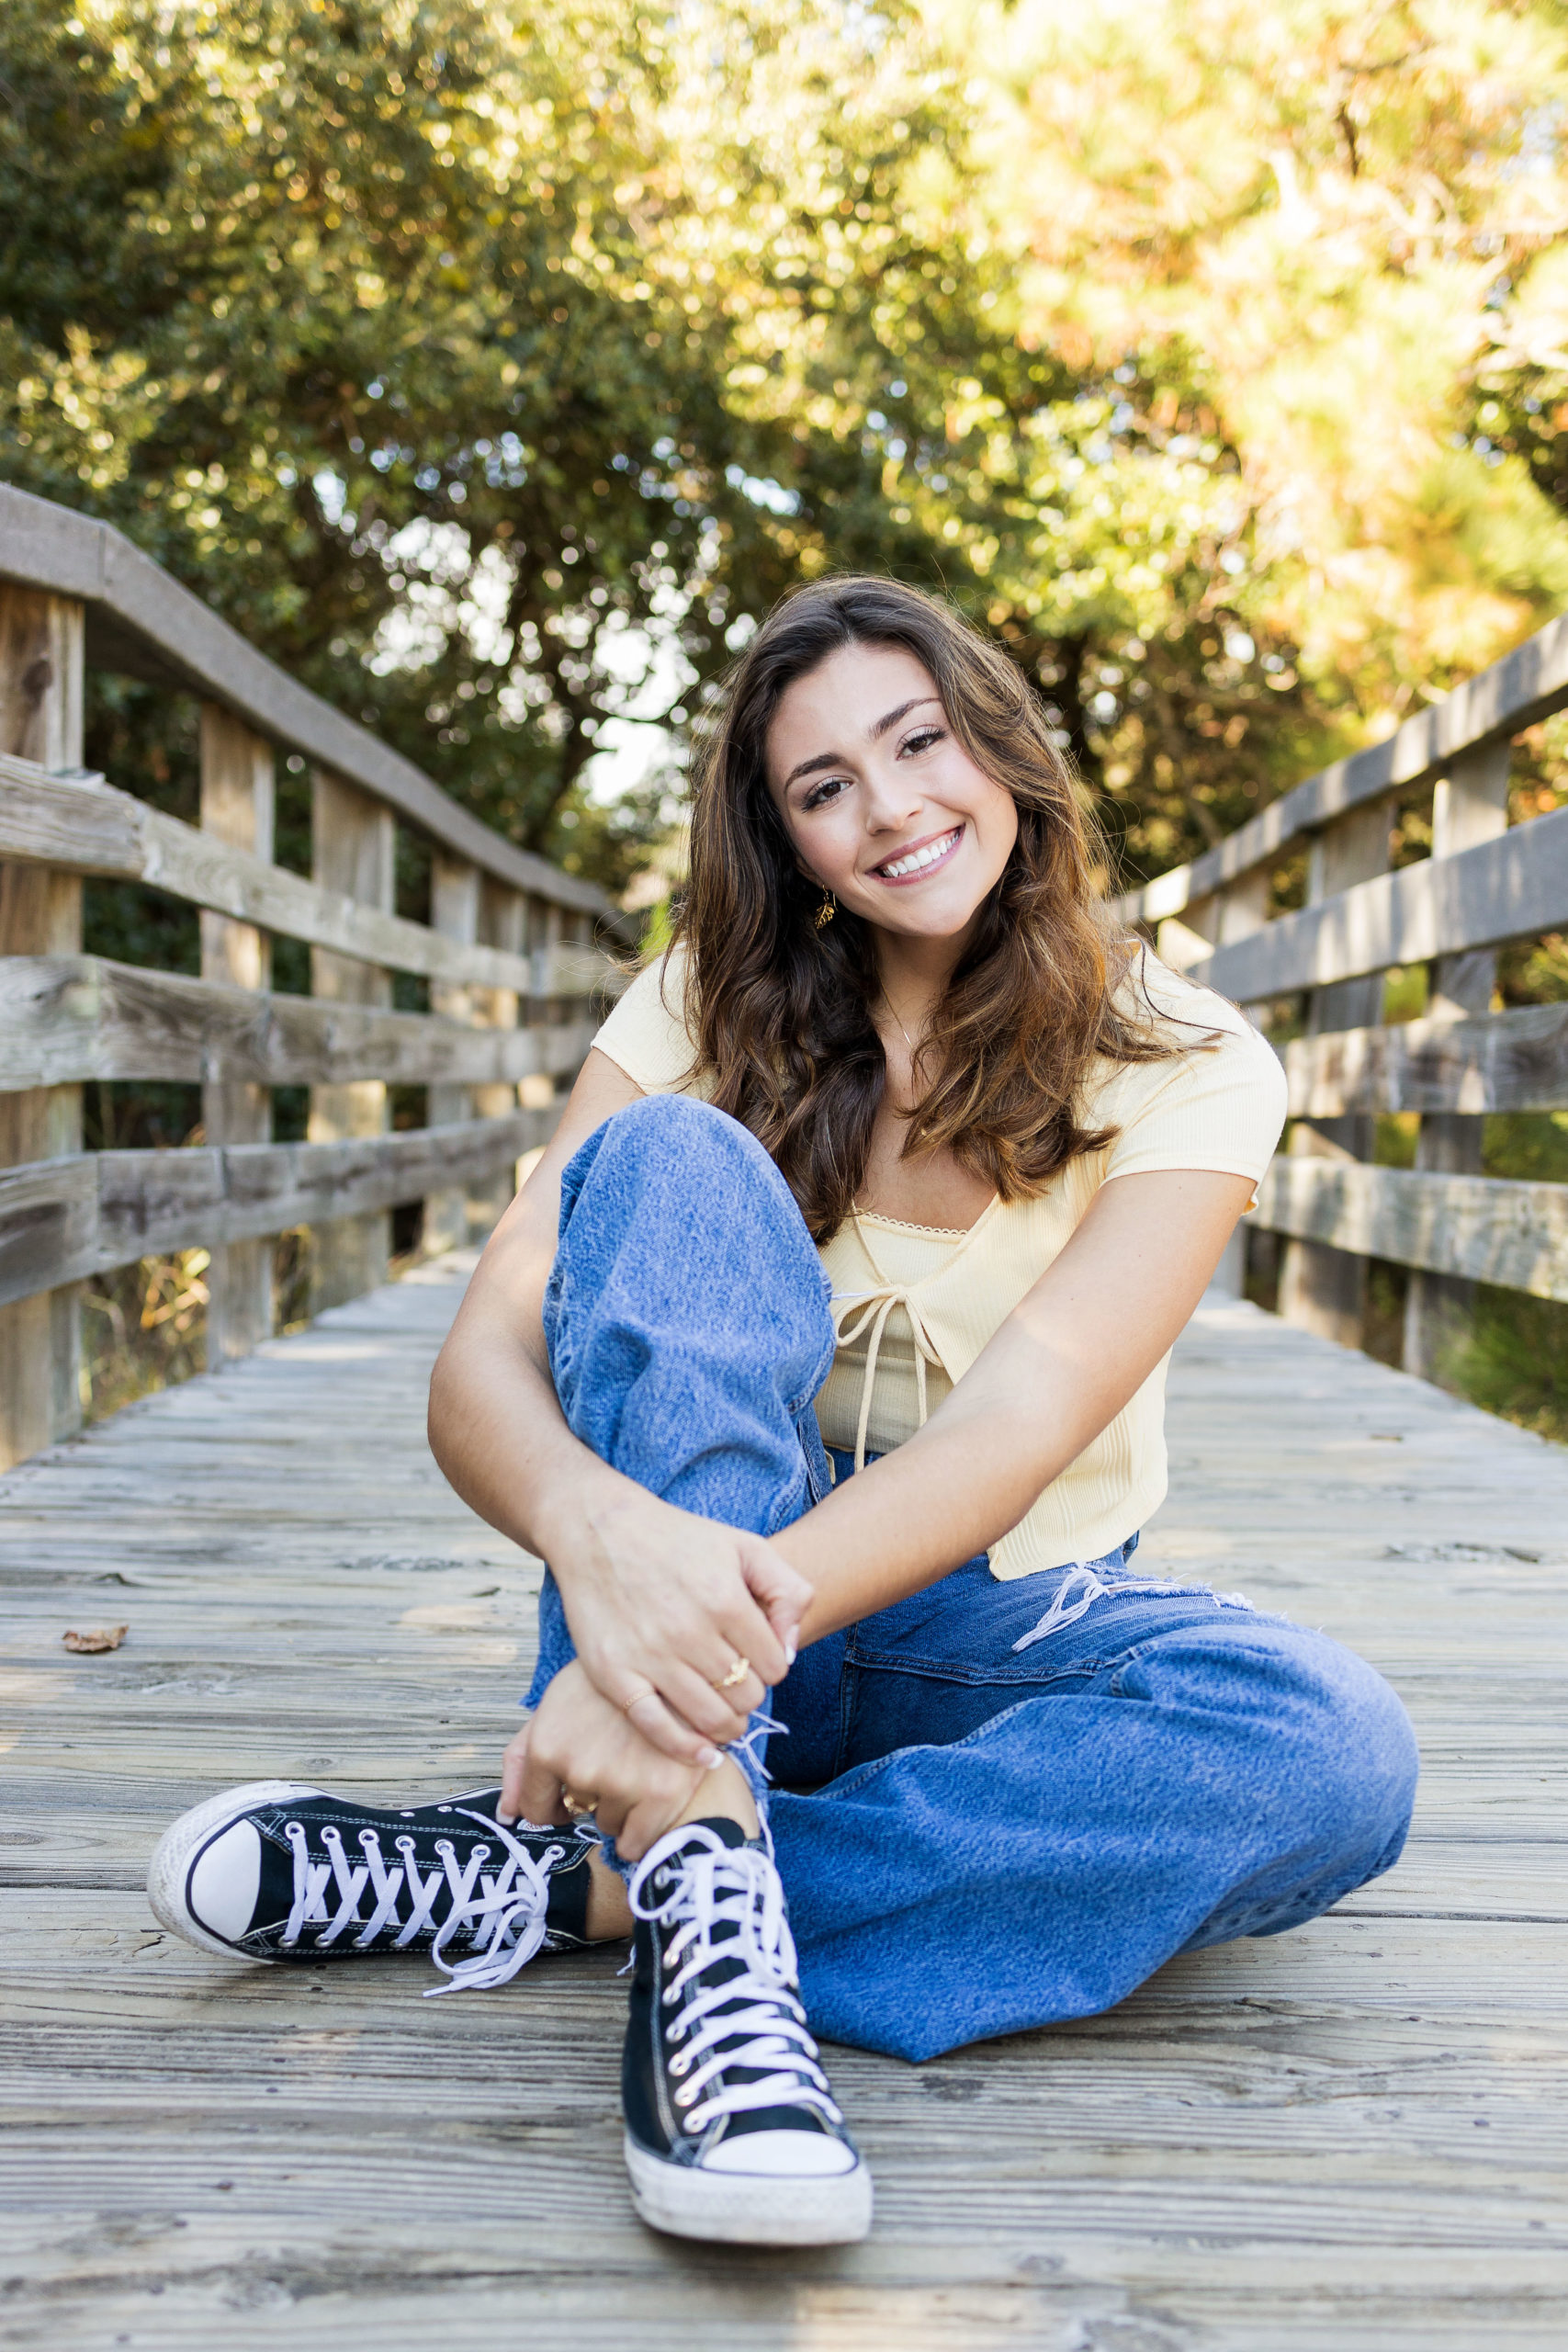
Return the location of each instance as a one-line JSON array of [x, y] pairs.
[[920, 858]]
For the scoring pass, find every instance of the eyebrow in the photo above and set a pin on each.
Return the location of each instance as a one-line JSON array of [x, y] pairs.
[[836, 759]]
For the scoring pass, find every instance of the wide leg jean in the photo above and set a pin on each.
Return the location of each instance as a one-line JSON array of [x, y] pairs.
[[980, 1826]]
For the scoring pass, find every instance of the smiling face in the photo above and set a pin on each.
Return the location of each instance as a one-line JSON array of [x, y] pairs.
[[881, 800]]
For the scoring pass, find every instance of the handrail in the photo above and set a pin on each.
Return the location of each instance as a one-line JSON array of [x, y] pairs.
[[1330, 1204], [145, 624], [508, 952], [1526, 686], [82, 825]]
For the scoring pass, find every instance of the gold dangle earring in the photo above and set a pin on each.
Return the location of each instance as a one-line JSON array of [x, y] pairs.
[[827, 909]]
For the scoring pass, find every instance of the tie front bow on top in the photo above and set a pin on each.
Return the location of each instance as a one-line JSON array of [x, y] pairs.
[[875, 1306]]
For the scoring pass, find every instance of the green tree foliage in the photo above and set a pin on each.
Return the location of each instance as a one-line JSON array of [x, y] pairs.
[[494, 368]]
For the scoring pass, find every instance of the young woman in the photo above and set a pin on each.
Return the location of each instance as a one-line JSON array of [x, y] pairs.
[[823, 1359]]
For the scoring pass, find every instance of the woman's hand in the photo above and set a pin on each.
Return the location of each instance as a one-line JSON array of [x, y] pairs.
[[663, 1606], [578, 1741]]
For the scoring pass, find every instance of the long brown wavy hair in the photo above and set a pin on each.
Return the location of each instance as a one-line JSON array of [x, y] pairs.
[[780, 1012]]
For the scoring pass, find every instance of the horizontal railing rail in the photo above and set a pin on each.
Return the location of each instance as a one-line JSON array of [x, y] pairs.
[[1524, 687], [1513, 887], [89, 1213], [513, 960], [67, 1019], [1323, 966], [79, 824], [142, 624]]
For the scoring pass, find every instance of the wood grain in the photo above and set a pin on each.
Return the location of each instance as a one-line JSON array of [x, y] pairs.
[[1480, 1228], [62, 1219], [144, 621], [1527, 685], [66, 1018], [82, 825], [1516, 1060], [1347, 2139], [1512, 888]]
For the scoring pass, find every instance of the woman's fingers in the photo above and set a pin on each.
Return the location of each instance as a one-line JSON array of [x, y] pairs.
[[722, 1713], [535, 1790], [653, 1720], [782, 1593], [514, 1763]]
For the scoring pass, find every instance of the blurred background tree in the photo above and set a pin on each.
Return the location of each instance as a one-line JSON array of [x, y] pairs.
[[495, 369]]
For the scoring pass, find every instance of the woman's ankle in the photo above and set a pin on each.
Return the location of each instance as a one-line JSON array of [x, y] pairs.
[[724, 1794]]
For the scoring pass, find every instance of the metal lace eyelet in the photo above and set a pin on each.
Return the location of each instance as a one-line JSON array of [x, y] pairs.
[[685, 2095]]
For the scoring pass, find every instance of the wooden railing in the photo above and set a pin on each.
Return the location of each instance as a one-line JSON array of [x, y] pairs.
[[509, 953], [1483, 886]]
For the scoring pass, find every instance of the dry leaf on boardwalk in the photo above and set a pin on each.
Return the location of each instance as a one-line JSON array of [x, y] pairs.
[[103, 1637]]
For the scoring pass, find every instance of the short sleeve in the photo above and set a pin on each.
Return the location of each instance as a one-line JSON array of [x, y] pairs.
[[646, 1035], [1219, 1105]]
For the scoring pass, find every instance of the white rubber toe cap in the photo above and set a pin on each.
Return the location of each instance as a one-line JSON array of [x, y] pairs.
[[226, 1881], [780, 2155]]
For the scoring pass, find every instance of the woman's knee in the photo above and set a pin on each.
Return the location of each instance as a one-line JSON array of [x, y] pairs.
[[1346, 1758], [1315, 1742]]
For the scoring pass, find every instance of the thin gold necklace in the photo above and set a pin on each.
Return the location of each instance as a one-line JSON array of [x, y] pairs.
[[902, 1031]]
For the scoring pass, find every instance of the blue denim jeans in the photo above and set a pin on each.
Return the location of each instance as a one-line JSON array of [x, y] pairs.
[[980, 1826]]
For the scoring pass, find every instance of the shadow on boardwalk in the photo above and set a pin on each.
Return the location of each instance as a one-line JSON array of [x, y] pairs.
[[1350, 2137]]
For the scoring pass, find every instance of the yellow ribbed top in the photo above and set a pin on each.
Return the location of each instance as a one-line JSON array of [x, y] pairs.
[[915, 1305]]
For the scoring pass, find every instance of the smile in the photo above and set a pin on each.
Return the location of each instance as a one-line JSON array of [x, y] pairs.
[[913, 864]]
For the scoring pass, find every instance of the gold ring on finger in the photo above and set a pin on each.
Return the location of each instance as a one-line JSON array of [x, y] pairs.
[[579, 1807], [739, 1667], [637, 1699]]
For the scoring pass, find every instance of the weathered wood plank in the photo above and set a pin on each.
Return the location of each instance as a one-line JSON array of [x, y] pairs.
[[62, 1219], [1483, 1228], [1525, 686], [41, 912], [158, 630], [1516, 1060], [1511, 888], [1348, 2138], [66, 1018], [238, 806], [82, 825]]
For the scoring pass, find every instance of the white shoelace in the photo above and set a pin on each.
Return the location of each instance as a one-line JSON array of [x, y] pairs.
[[512, 1898], [754, 2019]]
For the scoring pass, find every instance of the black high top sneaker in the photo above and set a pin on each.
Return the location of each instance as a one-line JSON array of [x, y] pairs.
[[732, 2128], [275, 1871]]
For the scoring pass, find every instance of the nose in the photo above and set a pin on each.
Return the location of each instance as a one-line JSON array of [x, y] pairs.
[[892, 797]]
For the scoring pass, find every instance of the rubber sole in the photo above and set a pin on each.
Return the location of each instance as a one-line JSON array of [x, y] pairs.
[[740, 2209], [168, 1873]]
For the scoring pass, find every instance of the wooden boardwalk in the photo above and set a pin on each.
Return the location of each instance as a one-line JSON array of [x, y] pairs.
[[1350, 2137]]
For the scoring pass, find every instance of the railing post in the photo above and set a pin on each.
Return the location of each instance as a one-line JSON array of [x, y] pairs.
[[355, 843], [237, 804], [1217, 920], [455, 913], [40, 914], [1323, 1289], [503, 921], [1468, 804]]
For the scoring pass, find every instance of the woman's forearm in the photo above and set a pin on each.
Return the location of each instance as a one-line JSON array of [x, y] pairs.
[[1062, 1366]]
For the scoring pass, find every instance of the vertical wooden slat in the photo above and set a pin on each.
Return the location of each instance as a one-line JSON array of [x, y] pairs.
[[355, 847], [1322, 1289], [237, 807], [503, 918], [1217, 921], [40, 914], [1470, 805], [455, 913]]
